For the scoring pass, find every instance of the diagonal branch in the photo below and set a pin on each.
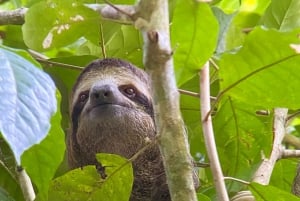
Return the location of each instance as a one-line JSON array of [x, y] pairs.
[[263, 173], [209, 135]]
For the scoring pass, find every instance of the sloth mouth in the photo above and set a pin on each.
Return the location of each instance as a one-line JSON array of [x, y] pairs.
[[107, 105]]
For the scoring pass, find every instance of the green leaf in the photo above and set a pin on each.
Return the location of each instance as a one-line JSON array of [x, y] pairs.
[[284, 173], [263, 72], [42, 160], [194, 34], [266, 193], [27, 100], [282, 15], [241, 135], [203, 197], [4, 195], [224, 23], [86, 183], [8, 176], [64, 22]]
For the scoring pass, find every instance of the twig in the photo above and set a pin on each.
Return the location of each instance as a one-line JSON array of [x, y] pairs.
[[290, 153], [25, 184], [194, 94], [102, 42], [292, 140], [209, 134], [189, 93], [263, 173], [238, 180], [54, 63], [292, 116]]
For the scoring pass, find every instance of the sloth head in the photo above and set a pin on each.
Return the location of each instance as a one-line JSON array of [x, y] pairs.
[[111, 112]]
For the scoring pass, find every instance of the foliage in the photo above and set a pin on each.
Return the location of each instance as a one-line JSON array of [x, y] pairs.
[[254, 68]]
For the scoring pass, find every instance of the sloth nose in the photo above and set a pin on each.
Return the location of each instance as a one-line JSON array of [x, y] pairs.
[[103, 94]]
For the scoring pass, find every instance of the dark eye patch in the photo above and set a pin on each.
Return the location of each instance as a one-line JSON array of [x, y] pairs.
[[77, 109], [136, 96], [128, 90]]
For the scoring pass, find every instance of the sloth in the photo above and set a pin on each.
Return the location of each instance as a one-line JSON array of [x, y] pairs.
[[112, 112]]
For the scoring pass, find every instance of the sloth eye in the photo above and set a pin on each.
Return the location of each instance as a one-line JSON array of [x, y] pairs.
[[129, 91], [83, 97]]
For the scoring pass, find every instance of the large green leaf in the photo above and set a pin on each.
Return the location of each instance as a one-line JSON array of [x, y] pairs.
[[282, 15], [241, 136], [57, 23], [42, 160], [265, 71], [284, 173], [27, 100], [86, 183], [194, 32], [266, 193]]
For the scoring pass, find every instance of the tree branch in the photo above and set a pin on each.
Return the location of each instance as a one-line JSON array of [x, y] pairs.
[[152, 18], [14, 17], [290, 153], [263, 173], [209, 134]]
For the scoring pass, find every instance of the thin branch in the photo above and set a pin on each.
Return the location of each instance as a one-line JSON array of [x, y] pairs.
[[189, 93], [13, 17], [54, 63], [194, 94], [102, 43], [290, 153], [292, 116], [238, 180], [209, 135], [263, 173], [25, 184], [292, 140]]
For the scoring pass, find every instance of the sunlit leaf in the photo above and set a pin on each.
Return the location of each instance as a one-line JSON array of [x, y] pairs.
[[265, 193], [241, 136], [57, 23], [282, 15], [265, 71], [194, 34], [86, 183]]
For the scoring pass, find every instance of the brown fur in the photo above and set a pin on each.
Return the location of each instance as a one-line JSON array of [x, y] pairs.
[[122, 128]]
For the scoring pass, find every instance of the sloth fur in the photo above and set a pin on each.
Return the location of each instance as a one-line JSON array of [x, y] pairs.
[[112, 112]]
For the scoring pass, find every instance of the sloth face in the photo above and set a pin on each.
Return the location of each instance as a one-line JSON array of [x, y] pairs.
[[112, 110], [104, 90]]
